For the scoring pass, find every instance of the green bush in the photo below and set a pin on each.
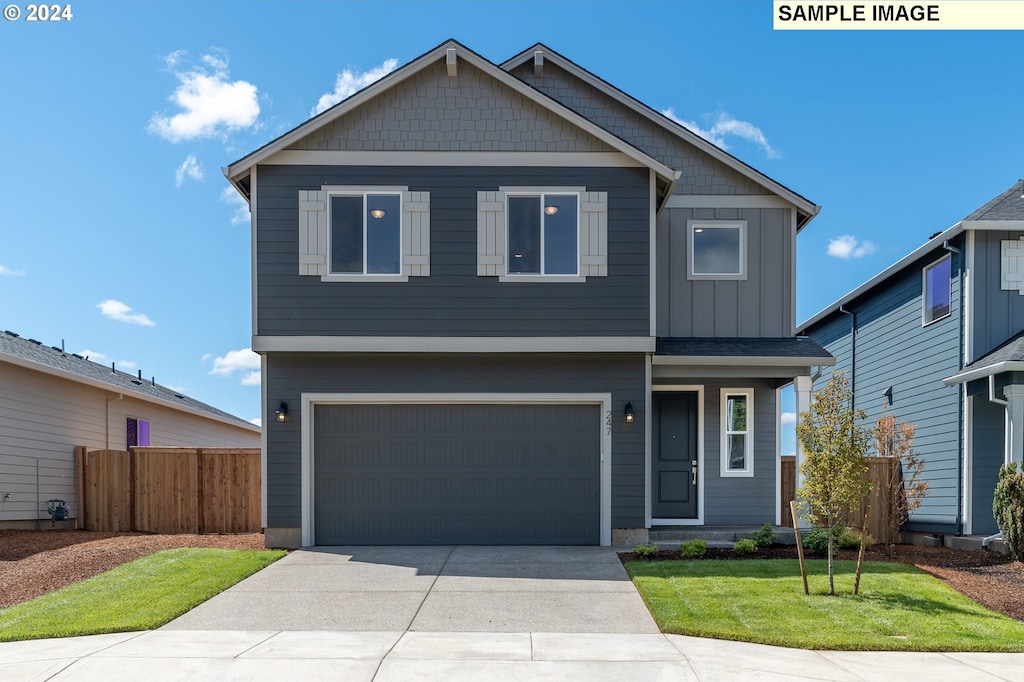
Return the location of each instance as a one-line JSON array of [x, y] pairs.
[[694, 549], [645, 551], [849, 538], [1008, 507], [745, 546], [765, 537], [816, 541]]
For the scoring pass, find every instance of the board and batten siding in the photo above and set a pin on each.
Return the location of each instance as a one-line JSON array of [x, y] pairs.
[[43, 417], [453, 300], [997, 314], [291, 374], [759, 306], [893, 349]]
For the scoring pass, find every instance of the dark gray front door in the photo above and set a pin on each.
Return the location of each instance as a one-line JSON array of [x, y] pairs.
[[467, 474], [675, 457]]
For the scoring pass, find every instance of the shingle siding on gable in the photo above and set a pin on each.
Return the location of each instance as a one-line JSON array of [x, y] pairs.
[[453, 300], [432, 112], [998, 314], [894, 349], [701, 174]]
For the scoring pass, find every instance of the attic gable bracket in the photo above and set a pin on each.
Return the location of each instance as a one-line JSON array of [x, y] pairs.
[[538, 63], [451, 61]]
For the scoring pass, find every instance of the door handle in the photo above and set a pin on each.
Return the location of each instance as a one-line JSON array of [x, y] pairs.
[[693, 472]]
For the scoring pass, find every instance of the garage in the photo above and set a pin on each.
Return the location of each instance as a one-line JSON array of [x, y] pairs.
[[487, 474]]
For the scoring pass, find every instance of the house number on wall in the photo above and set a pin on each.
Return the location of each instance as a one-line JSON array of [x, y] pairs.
[[608, 422]]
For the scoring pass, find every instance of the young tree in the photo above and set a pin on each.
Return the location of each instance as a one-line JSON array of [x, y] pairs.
[[834, 467], [906, 485]]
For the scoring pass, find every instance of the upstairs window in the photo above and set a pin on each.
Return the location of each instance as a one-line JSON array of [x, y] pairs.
[[138, 432], [366, 234], [543, 233], [737, 432], [717, 249], [937, 290]]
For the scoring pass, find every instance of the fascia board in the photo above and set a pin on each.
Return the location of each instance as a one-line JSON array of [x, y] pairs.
[[982, 372]]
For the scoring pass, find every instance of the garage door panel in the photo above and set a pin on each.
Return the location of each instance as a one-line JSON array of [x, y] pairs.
[[485, 474]]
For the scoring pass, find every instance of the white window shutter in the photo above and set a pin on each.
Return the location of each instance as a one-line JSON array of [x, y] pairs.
[[416, 234], [490, 234], [313, 232], [1012, 271], [594, 234]]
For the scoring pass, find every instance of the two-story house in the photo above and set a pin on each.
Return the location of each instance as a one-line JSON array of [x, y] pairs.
[[513, 305], [937, 340]]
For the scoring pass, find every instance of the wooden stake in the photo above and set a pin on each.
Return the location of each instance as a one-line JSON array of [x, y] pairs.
[[799, 544]]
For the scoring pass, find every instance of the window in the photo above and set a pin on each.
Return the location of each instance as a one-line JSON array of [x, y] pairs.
[[138, 432], [543, 234], [737, 432], [936, 290], [366, 234], [716, 249]]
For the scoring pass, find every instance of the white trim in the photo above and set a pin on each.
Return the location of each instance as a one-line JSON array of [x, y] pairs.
[[604, 400], [778, 456], [455, 344], [793, 233], [693, 225], [648, 447], [699, 390], [542, 276], [982, 372], [528, 278], [252, 237], [966, 294], [748, 443], [653, 256], [363, 191], [727, 201], [263, 441], [924, 290], [290, 157], [968, 478]]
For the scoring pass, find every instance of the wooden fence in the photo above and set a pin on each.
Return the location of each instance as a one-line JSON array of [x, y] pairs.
[[170, 490], [882, 476]]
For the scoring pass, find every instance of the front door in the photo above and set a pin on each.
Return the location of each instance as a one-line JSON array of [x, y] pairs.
[[675, 457]]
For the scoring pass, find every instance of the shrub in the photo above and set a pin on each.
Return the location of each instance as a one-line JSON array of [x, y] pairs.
[[745, 546], [694, 549], [765, 537], [849, 538], [1008, 507], [816, 541], [645, 551]]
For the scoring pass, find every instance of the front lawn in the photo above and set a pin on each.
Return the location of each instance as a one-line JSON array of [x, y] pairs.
[[762, 600], [140, 595]]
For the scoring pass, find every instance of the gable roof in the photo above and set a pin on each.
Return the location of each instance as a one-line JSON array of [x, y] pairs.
[[238, 172], [34, 355], [1003, 212], [807, 208], [1009, 357]]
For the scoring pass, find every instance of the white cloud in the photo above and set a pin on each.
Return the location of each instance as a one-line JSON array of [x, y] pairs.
[[258, 421], [788, 418], [724, 127], [242, 363], [116, 310], [96, 356], [847, 247], [349, 82], [212, 105], [231, 197], [190, 170], [206, 358], [11, 272], [127, 364]]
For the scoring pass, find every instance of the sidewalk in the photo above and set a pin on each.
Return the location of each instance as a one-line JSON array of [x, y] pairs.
[[400, 656]]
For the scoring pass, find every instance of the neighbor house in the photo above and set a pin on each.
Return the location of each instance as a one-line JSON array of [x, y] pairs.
[[513, 305], [935, 339], [52, 401]]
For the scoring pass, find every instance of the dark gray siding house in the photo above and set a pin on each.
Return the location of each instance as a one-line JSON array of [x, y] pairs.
[[512, 305], [935, 338]]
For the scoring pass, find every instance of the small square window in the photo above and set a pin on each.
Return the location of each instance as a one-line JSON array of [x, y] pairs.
[[543, 234], [366, 234], [138, 432], [737, 432], [716, 249], [937, 290]]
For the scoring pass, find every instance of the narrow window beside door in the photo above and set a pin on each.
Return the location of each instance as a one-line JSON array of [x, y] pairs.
[[737, 432]]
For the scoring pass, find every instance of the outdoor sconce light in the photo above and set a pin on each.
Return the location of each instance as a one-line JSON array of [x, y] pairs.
[[629, 413], [282, 412], [888, 395], [377, 213], [550, 210]]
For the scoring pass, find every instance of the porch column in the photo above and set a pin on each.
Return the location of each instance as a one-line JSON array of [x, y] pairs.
[[1015, 422], [802, 386]]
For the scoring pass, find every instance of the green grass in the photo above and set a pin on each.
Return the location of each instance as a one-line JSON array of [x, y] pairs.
[[140, 595], [762, 600]]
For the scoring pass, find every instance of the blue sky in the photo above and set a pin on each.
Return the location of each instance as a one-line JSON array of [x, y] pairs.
[[117, 234]]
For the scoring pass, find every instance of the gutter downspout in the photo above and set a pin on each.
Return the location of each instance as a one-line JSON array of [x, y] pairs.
[[120, 396], [962, 449], [853, 355]]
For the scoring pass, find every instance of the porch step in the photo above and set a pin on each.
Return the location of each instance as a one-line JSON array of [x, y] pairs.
[[715, 536]]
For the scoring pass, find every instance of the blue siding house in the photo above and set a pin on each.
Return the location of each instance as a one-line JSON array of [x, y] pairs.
[[510, 304], [936, 339]]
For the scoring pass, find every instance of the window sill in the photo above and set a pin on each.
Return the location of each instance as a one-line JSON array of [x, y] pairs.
[[738, 473], [542, 279], [692, 276], [364, 278]]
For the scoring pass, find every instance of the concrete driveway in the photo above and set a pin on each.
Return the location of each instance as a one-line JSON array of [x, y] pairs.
[[432, 589]]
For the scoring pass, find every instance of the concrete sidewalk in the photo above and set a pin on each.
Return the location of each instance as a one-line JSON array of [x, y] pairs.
[[382, 656]]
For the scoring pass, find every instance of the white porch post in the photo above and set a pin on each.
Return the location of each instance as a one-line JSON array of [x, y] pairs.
[[802, 386], [1015, 423]]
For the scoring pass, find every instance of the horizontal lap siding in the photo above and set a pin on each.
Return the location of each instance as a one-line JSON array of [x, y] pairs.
[[289, 375], [453, 300]]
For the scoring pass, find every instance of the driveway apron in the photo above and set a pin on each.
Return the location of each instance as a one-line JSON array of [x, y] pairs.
[[432, 589]]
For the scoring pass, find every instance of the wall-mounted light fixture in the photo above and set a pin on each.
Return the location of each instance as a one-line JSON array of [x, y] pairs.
[[378, 213], [888, 395], [550, 210], [630, 416], [282, 412]]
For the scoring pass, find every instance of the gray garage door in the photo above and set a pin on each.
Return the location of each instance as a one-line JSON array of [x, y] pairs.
[[467, 474]]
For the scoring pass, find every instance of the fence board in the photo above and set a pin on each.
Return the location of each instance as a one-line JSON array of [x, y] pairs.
[[107, 490], [788, 483]]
